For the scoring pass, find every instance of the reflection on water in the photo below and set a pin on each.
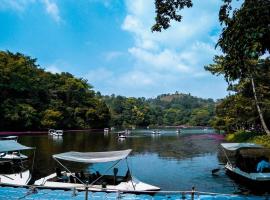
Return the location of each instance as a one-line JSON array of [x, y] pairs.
[[171, 161]]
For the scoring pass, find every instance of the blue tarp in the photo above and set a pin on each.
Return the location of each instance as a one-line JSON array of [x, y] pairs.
[[11, 193]]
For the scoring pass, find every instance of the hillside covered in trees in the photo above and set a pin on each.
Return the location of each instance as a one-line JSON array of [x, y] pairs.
[[166, 109], [31, 98]]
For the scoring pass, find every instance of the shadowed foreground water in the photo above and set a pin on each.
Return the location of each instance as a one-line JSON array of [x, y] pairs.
[[171, 161]]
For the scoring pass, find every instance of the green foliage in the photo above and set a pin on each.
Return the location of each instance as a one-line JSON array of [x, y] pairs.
[[254, 137], [31, 98], [51, 118], [262, 139], [167, 10], [241, 136], [166, 109]]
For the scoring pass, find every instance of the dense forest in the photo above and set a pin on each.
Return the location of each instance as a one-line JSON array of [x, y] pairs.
[[166, 109], [33, 99]]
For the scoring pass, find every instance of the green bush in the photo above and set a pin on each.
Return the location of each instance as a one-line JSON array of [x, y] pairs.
[[262, 139], [242, 136]]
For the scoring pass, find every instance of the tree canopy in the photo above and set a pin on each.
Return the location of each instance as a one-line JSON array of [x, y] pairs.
[[167, 109], [31, 98]]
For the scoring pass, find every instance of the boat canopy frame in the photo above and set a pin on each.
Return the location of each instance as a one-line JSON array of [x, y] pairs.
[[94, 157]]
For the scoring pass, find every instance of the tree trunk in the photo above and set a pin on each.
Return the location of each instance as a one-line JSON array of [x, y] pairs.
[[258, 108]]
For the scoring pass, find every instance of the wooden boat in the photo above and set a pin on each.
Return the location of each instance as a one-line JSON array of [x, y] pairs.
[[243, 167], [11, 172], [97, 182]]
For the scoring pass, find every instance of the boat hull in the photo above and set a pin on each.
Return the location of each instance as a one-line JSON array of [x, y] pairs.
[[249, 181], [17, 179], [128, 186]]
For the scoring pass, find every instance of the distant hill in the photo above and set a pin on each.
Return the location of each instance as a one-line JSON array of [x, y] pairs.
[[165, 109]]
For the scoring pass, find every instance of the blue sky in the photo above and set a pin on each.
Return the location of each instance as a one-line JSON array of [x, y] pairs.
[[110, 43]]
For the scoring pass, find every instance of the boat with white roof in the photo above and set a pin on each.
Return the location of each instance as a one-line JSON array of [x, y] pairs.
[[12, 169], [245, 163], [94, 181]]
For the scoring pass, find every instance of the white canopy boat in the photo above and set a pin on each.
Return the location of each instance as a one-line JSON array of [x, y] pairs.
[[13, 173], [244, 166], [156, 132], [121, 134], [55, 132], [12, 137], [15, 155], [97, 182]]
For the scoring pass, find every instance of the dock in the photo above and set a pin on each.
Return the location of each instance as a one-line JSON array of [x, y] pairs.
[[23, 193]]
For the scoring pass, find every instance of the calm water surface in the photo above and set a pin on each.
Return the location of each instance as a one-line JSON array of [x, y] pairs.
[[171, 161]]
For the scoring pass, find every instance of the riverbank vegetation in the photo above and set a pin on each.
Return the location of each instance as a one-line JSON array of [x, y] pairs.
[[249, 136]]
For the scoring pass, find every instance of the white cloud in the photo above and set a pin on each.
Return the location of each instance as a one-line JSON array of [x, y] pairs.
[[52, 9], [21, 5], [53, 69], [17, 5], [175, 58]]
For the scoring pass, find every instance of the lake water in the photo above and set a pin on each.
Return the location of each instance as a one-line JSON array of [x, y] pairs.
[[170, 161]]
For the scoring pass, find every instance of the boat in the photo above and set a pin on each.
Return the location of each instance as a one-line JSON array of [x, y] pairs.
[[13, 173], [55, 132], [15, 156], [96, 181], [156, 132], [12, 137], [242, 160], [122, 134]]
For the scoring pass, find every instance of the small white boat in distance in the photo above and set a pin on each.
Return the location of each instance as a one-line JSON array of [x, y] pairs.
[[122, 134], [13, 173], [97, 181], [55, 132], [156, 132]]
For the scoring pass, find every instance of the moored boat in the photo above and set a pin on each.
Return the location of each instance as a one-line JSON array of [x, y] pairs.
[[156, 132], [243, 167], [97, 181], [11, 137], [122, 134], [55, 132], [11, 172]]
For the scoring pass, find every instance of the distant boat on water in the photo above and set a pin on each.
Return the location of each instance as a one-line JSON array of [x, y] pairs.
[[55, 132]]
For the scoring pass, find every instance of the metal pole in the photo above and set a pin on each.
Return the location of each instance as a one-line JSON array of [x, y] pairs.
[[86, 190], [192, 193], [130, 175]]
